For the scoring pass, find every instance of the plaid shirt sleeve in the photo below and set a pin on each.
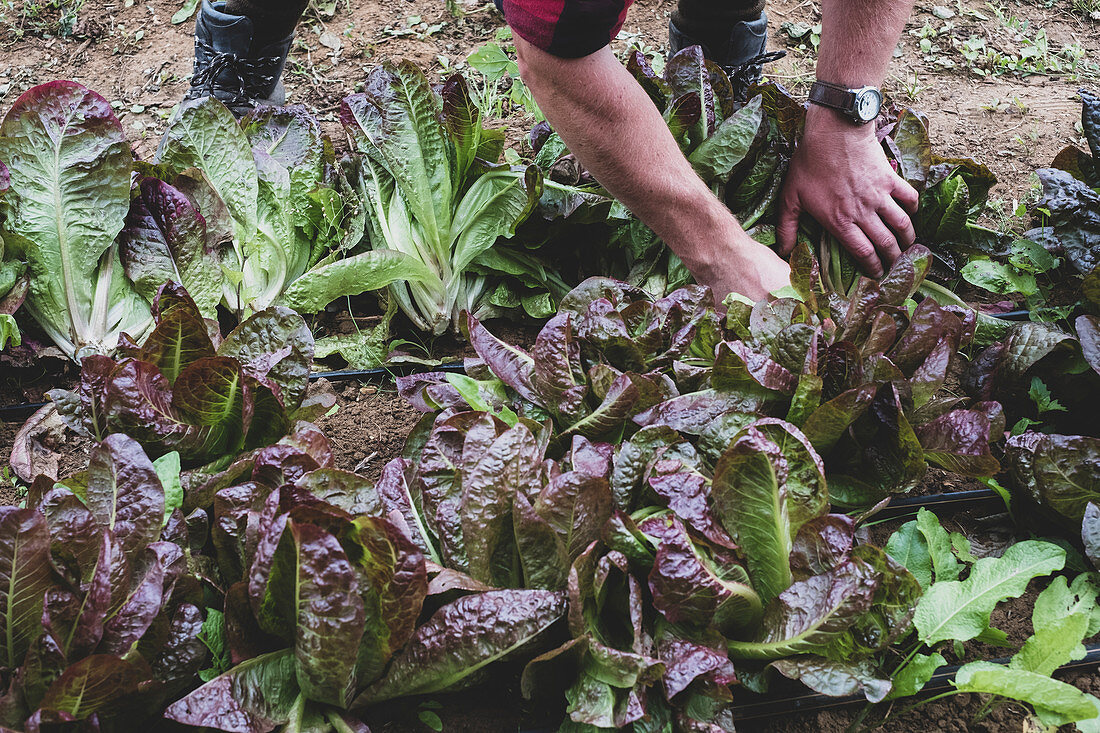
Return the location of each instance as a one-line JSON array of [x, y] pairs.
[[566, 28]]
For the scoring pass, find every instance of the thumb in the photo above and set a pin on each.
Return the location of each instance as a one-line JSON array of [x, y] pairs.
[[786, 231]]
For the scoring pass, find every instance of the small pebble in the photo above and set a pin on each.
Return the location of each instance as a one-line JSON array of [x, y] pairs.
[[369, 389]]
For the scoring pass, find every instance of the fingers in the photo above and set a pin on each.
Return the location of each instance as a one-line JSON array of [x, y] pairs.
[[899, 222], [905, 195], [786, 231], [861, 248], [886, 244]]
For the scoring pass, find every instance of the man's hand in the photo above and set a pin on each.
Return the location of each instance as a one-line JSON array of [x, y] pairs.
[[840, 176], [746, 267]]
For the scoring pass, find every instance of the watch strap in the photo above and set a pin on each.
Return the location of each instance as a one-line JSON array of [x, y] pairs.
[[833, 95]]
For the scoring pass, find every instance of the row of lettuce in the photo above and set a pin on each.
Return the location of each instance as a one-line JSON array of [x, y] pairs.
[[639, 506]]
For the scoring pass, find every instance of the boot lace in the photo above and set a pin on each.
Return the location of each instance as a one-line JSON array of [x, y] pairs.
[[743, 76], [251, 75]]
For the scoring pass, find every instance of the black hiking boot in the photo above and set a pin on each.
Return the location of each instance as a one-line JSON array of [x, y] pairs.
[[229, 68], [743, 55]]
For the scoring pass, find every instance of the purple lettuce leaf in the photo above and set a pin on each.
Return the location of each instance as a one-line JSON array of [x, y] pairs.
[[813, 613], [836, 678], [253, 697], [93, 684], [880, 455], [1090, 533], [829, 422], [402, 506], [1088, 333], [165, 240], [687, 493], [702, 663], [235, 512], [543, 556], [393, 581], [74, 541], [738, 368], [351, 492], [125, 626], [695, 584], [575, 506], [930, 325], [959, 441], [633, 459], [618, 405], [76, 622], [465, 636], [275, 344], [1061, 472], [490, 477], [807, 495], [559, 375], [330, 615], [180, 337], [821, 544], [82, 410], [892, 608], [124, 494], [178, 661], [25, 574], [694, 412], [510, 364], [1003, 366]]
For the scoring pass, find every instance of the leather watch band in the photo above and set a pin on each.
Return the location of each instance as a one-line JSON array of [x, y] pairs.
[[832, 95]]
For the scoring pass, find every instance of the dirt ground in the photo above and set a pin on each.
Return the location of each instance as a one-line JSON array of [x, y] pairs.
[[997, 80], [133, 54]]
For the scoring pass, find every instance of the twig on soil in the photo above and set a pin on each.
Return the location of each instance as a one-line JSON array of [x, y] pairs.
[[79, 50], [362, 465]]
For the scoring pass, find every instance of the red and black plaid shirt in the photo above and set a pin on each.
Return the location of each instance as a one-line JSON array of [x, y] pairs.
[[566, 28]]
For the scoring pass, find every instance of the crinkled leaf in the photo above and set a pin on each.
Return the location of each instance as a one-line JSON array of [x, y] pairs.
[[330, 616], [692, 585], [124, 493], [812, 613], [206, 136], [1060, 471], [717, 155], [465, 636], [24, 578], [836, 679], [164, 240], [275, 344], [1090, 533], [253, 697]]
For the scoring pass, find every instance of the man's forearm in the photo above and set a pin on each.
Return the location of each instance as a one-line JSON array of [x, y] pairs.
[[858, 38], [614, 129]]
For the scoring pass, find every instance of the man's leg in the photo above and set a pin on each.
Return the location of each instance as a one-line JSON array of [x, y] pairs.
[[733, 33], [240, 50]]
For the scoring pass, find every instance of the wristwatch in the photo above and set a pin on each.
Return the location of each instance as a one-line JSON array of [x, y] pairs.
[[859, 105]]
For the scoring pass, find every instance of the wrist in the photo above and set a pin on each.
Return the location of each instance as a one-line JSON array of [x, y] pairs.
[[824, 122]]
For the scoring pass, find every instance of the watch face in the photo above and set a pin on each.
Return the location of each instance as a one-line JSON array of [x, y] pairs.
[[868, 103]]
